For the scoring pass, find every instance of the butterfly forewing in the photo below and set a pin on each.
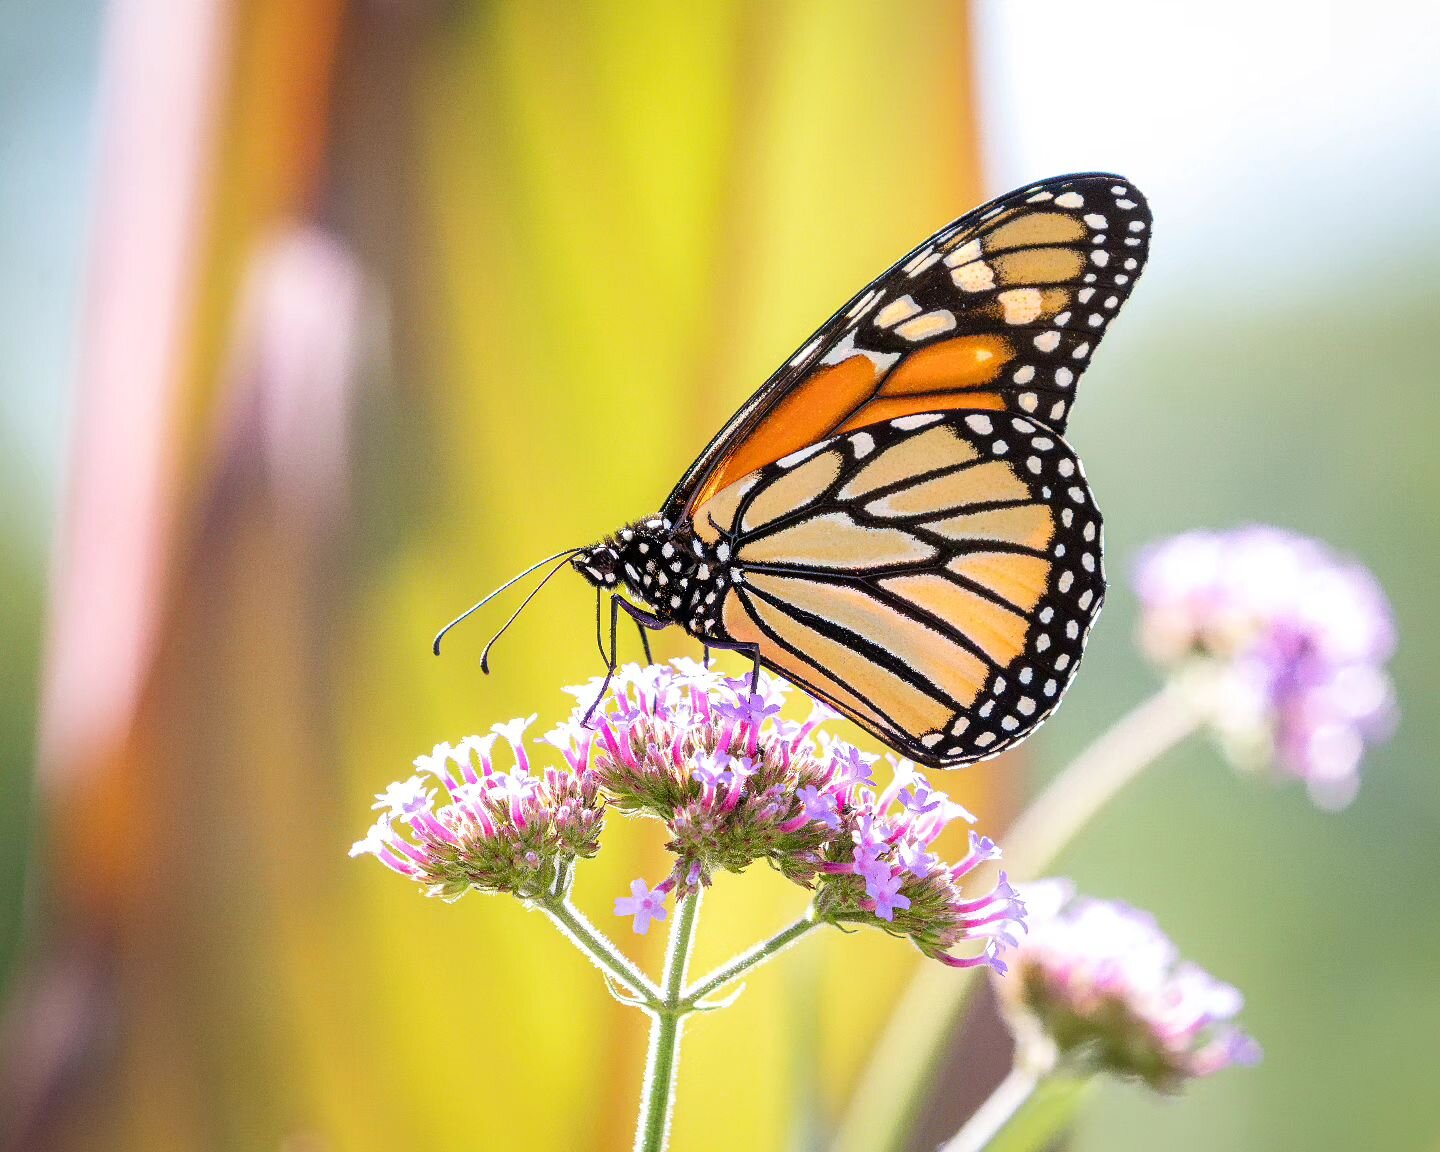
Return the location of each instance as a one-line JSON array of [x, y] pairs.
[[999, 311], [932, 575]]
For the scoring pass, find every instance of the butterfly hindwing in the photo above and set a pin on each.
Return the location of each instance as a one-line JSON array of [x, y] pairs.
[[933, 576], [1000, 310]]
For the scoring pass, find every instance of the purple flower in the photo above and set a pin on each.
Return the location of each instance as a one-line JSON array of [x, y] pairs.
[[1109, 988], [915, 858], [496, 831], [751, 709], [388, 848], [643, 904], [732, 780], [884, 889], [919, 799], [711, 768], [406, 799], [851, 766], [821, 806], [1299, 638]]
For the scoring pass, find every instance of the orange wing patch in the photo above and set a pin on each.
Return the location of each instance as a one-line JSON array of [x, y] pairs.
[[965, 362], [1000, 311], [815, 406], [718, 514], [1033, 229], [795, 489], [741, 626]]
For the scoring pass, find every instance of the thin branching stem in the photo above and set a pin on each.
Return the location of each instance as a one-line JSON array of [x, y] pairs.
[[764, 951], [599, 948], [667, 1021]]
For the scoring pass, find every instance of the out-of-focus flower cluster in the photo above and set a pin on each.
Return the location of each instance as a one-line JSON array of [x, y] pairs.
[[735, 783], [1299, 636], [499, 831], [1108, 989]]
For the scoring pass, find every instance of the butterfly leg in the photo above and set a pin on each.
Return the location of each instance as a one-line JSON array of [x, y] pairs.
[[599, 630], [644, 642], [749, 649], [642, 619]]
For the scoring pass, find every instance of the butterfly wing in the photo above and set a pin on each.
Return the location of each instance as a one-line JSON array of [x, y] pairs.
[[933, 576], [999, 310]]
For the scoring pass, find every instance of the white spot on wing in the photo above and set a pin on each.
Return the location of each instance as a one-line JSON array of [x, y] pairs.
[[1021, 305], [803, 454], [977, 276], [967, 252], [895, 311], [918, 420], [913, 264], [930, 324], [864, 304], [846, 348]]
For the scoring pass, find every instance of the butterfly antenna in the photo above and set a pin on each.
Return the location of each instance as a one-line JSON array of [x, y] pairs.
[[435, 647], [485, 655]]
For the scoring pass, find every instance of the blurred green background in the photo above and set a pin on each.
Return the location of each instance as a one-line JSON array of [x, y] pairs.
[[325, 317]]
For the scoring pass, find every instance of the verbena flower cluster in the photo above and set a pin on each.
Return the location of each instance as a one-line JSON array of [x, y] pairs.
[[733, 782], [736, 783], [498, 831], [1111, 992], [1301, 637]]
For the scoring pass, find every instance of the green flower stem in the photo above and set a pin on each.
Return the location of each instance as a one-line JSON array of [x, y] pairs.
[[599, 947], [765, 950], [902, 1065], [998, 1110], [667, 1019]]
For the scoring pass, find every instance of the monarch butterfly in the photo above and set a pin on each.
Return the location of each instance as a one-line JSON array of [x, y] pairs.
[[893, 520]]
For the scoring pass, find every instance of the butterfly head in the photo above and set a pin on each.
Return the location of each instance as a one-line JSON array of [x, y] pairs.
[[657, 562], [599, 564]]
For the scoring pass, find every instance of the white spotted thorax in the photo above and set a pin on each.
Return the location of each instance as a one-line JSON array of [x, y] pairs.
[[894, 521], [677, 575]]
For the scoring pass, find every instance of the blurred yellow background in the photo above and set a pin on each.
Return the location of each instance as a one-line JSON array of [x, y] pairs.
[[326, 317]]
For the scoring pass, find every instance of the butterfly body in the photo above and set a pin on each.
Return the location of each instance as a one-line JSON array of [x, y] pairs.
[[677, 576], [894, 520]]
